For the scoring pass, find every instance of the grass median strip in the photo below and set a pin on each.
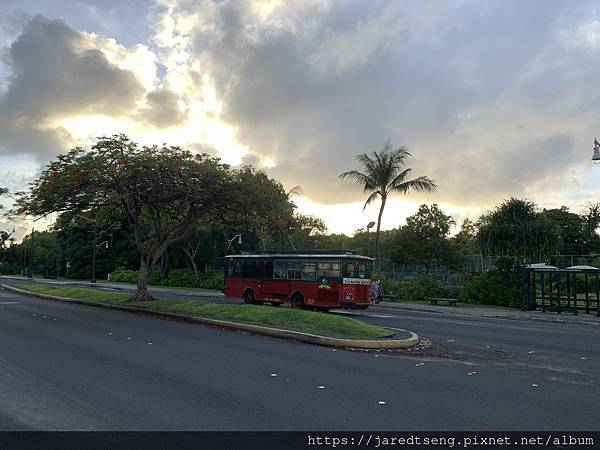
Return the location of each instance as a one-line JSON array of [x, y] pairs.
[[284, 318], [87, 294]]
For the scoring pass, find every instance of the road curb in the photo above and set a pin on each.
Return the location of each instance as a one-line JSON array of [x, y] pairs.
[[255, 329], [544, 319]]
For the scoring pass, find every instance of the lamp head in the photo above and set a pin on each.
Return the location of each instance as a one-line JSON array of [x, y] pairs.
[[370, 225], [596, 155]]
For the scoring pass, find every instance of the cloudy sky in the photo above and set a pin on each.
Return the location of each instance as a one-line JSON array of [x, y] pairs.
[[494, 98]]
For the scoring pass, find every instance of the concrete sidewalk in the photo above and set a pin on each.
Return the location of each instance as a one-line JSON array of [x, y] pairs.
[[117, 286], [497, 313]]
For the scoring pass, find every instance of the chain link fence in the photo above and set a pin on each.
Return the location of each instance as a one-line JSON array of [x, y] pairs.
[[473, 266]]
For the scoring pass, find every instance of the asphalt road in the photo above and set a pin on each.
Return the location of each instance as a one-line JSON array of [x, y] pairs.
[[72, 367], [568, 349]]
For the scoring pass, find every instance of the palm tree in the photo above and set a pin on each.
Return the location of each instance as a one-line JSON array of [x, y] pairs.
[[383, 173]]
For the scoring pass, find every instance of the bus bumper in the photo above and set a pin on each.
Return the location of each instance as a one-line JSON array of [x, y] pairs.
[[354, 304]]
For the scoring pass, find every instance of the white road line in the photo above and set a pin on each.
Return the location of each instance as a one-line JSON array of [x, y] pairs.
[[380, 316], [9, 303]]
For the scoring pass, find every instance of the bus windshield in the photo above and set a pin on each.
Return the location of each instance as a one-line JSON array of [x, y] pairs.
[[357, 269]]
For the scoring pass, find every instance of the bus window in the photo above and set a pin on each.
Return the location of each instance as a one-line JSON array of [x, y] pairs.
[[309, 271], [294, 270], [279, 270], [362, 270], [250, 268], [260, 269], [268, 269], [237, 269], [328, 269], [349, 270]]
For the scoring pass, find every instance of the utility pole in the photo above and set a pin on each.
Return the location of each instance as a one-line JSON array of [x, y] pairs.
[[94, 250], [30, 270]]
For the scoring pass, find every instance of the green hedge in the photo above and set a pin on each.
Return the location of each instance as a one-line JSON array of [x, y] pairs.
[[416, 290], [494, 288], [124, 275], [10, 269], [420, 289], [177, 278], [213, 280]]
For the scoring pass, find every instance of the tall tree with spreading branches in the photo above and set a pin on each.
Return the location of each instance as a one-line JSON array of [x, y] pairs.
[[384, 173], [515, 229], [163, 192]]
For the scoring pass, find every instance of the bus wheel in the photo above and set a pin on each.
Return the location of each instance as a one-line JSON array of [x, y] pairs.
[[297, 302], [276, 304], [249, 298]]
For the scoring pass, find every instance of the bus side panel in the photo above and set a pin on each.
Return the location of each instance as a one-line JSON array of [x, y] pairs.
[[356, 295], [328, 297], [307, 289], [275, 287], [234, 287]]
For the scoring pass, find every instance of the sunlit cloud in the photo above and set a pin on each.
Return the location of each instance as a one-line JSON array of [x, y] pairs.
[[495, 99]]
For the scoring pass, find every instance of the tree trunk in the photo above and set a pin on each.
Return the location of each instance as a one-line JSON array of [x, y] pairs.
[[142, 285], [196, 273], [377, 259], [190, 254], [164, 266]]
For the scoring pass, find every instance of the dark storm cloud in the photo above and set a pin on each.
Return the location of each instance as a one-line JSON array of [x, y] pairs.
[[457, 82], [162, 109], [53, 75]]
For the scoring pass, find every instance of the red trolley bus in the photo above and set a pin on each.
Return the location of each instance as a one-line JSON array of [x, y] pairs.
[[316, 280]]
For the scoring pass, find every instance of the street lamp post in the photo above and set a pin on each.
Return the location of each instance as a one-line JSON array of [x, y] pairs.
[[95, 244], [596, 154], [23, 258], [369, 226], [30, 269], [230, 241], [94, 250]]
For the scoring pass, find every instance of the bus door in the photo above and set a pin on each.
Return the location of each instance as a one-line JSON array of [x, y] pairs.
[[278, 286], [328, 273]]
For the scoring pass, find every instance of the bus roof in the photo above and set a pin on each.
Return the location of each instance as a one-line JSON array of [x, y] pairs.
[[305, 254]]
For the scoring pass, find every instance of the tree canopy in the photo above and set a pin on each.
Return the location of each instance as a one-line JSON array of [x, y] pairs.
[[424, 239], [516, 229], [163, 192]]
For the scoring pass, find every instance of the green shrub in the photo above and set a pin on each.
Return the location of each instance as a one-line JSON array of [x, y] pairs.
[[181, 278], [416, 290], [213, 280], [124, 275], [177, 277], [449, 291], [494, 288], [154, 277], [10, 269], [388, 286]]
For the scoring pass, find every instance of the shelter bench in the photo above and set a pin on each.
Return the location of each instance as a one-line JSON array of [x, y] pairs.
[[435, 300], [385, 298]]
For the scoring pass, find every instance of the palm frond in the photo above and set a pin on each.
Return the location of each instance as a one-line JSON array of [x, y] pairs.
[[296, 191], [364, 180], [369, 164], [400, 155], [371, 199], [400, 178], [419, 184]]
